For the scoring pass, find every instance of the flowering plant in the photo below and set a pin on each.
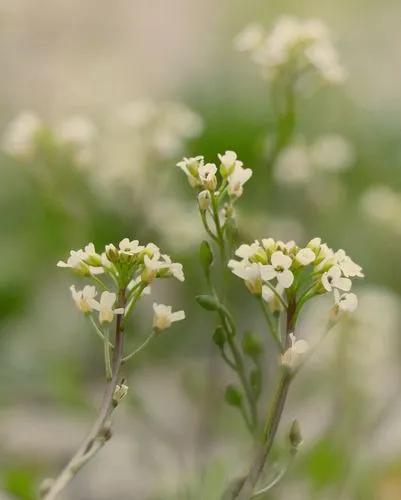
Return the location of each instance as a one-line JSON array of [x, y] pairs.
[[124, 274], [282, 277]]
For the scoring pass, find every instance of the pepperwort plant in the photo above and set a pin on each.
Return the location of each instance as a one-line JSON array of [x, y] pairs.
[[282, 278], [118, 278]]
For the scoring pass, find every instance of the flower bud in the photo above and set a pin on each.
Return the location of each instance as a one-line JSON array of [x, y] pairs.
[[120, 392], [295, 435], [205, 256], [112, 253], [208, 302], [219, 338], [233, 396], [204, 199]]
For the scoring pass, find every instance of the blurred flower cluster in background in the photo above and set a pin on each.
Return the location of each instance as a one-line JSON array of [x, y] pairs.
[[99, 103]]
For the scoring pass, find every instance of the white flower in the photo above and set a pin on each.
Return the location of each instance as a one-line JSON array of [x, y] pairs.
[[163, 316], [346, 302], [19, 136], [253, 250], [191, 167], [105, 307], [305, 256], [76, 262], [175, 268], [280, 269], [250, 273], [228, 159], [333, 279], [207, 175], [84, 299], [294, 354], [250, 38], [204, 199], [237, 179], [92, 257], [348, 267], [130, 247]]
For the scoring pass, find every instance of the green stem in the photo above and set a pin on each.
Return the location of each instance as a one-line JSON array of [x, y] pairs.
[[107, 359], [99, 331], [139, 349], [271, 325]]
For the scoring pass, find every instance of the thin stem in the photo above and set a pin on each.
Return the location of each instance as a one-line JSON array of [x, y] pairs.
[[272, 328], [280, 299], [246, 488], [99, 331], [99, 282], [107, 360], [139, 349], [99, 431], [219, 230], [206, 225]]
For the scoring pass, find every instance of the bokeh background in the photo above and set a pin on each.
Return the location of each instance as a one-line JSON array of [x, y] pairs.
[[132, 86]]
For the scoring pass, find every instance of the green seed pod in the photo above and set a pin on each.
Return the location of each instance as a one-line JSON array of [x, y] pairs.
[[219, 338], [205, 256]]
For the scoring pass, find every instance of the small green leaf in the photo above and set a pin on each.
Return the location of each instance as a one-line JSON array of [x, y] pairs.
[[233, 396], [219, 338], [208, 302]]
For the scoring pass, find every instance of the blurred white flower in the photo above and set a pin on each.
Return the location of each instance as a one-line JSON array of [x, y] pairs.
[[383, 205], [19, 135], [163, 316], [346, 301], [78, 130], [300, 163], [293, 355], [207, 174], [250, 38], [237, 178], [76, 261], [293, 165], [249, 272], [105, 307], [293, 43], [332, 152], [204, 199]]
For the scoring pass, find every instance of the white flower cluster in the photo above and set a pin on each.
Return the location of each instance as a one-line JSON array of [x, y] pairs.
[[383, 205], [298, 163], [166, 125], [211, 180], [132, 267], [279, 271], [22, 133], [302, 45]]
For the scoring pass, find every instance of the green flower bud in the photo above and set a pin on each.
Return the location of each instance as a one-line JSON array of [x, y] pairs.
[[205, 256], [219, 338], [251, 345], [208, 302], [233, 396]]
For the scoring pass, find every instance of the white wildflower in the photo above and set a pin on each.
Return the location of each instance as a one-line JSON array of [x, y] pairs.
[[207, 175], [18, 138], [279, 269], [190, 166], [347, 302], [237, 179], [250, 38], [105, 307], [305, 256], [293, 355], [84, 299], [163, 316], [204, 199], [332, 279]]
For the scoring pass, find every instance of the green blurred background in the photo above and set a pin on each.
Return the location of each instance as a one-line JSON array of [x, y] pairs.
[[175, 438]]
